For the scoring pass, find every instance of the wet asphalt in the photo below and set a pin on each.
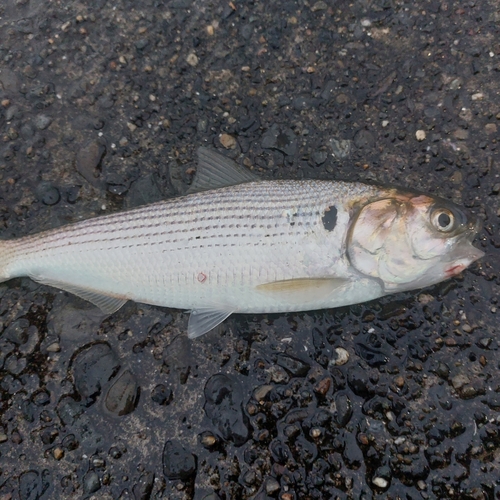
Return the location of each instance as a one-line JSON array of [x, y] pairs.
[[102, 108]]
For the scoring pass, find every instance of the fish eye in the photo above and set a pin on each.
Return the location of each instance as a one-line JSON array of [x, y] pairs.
[[443, 220]]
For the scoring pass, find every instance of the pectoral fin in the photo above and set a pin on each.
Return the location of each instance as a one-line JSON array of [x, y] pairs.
[[204, 319], [303, 289], [106, 303]]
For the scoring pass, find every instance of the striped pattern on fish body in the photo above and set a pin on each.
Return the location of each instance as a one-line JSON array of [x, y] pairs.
[[205, 249], [256, 247]]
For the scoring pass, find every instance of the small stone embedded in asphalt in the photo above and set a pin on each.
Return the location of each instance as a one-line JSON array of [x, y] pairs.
[[146, 189], [294, 366], [161, 395], [143, 488], [223, 405], [358, 381], [17, 331], [228, 141], [42, 122], [72, 194], [364, 139], [341, 148], [48, 193], [178, 463], [319, 157], [70, 442], [88, 161], [93, 367], [91, 483], [281, 138], [208, 439], [69, 410], [32, 485], [122, 396], [343, 407]]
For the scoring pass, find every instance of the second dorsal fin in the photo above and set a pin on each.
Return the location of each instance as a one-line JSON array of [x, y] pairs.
[[216, 171]]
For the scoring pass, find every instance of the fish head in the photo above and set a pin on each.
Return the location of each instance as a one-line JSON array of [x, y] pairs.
[[411, 240]]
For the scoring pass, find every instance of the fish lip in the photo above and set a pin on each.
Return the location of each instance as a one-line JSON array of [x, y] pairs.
[[465, 252]]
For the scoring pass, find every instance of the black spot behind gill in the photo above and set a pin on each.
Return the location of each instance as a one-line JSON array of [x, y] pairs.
[[329, 218]]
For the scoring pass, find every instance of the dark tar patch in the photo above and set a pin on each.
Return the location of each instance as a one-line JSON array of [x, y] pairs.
[[329, 218]]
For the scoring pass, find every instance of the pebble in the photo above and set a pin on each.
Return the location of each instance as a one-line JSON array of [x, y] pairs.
[[208, 439], [380, 482], [281, 138], [54, 347], [178, 463], [17, 331], [48, 194], [192, 59], [121, 398], [342, 356], [161, 395], [343, 406], [271, 485], [223, 405], [294, 366], [42, 121], [143, 488], [320, 5], [323, 386], [458, 381], [341, 148], [88, 160], [420, 135], [58, 453], [261, 392], [399, 381], [319, 157], [228, 141], [364, 139], [461, 134], [31, 485], [490, 128], [70, 442], [93, 367], [91, 483], [279, 375]]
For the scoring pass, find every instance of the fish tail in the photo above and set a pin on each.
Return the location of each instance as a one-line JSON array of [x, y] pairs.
[[6, 258]]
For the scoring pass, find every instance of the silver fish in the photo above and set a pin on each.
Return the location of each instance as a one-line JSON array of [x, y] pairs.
[[237, 244]]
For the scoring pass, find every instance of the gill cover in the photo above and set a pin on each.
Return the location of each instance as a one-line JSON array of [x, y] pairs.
[[378, 245]]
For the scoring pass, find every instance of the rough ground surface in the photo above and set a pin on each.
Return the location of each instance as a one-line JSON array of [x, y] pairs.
[[102, 105]]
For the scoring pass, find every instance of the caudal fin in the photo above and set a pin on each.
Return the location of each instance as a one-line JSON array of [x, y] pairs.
[[6, 259]]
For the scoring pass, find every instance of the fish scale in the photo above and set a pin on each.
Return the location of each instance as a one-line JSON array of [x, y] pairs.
[[254, 247]]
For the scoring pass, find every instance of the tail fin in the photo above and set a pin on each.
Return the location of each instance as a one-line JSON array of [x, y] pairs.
[[6, 258]]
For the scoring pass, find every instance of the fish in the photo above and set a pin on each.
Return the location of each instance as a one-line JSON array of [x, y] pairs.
[[236, 243]]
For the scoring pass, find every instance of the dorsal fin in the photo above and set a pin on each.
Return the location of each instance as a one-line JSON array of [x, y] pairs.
[[216, 171]]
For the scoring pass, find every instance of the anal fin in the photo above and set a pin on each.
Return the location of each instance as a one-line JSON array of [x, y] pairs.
[[106, 303], [204, 319]]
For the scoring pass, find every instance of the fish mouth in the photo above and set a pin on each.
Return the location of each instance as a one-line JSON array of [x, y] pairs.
[[465, 253]]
